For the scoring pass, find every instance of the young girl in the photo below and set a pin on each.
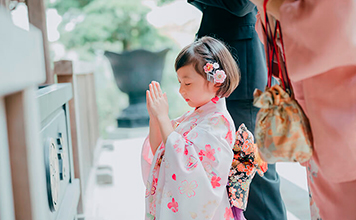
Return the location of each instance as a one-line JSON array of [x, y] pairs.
[[186, 162]]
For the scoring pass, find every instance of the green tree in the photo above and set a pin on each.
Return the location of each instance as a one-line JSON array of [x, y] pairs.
[[107, 25]]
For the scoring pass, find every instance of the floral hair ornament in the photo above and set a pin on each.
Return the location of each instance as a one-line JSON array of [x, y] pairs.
[[214, 73]]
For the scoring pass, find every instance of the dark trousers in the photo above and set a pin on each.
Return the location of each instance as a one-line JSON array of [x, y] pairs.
[[265, 201]]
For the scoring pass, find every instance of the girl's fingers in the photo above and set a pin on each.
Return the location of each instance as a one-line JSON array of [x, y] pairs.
[[165, 97], [156, 89], [159, 89], [148, 97], [152, 92]]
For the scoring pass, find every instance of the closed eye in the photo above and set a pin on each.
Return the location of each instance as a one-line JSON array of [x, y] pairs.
[[187, 84]]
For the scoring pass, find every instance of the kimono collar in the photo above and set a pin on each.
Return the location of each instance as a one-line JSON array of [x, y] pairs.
[[214, 103]]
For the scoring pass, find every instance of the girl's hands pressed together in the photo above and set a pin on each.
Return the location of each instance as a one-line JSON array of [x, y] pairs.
[[157, 106], [157, 103]]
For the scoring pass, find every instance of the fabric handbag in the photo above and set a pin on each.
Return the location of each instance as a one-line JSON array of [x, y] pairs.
[[282, 130]]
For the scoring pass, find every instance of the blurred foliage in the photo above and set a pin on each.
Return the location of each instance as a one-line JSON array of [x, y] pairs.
[[107, 25], [64, 6], [162, 2]]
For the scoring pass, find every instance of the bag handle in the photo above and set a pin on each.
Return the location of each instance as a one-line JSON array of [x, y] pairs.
[[273, 52]]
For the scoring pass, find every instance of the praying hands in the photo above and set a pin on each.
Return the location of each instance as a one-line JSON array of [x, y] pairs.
[[157, 107], [157, 103]]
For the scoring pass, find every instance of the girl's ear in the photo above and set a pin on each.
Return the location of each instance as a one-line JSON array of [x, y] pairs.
[[217, 86]]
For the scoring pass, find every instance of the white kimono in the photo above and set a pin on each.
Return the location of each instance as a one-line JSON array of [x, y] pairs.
[[187, 178]]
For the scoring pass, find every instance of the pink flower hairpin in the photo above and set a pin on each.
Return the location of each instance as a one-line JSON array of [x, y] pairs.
[[219, 76], [208, 67], [213, 72]]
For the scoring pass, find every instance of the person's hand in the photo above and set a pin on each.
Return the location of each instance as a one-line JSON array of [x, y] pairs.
[[157, 103]]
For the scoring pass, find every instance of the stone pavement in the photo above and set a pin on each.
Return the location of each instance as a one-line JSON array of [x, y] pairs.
[[124, 198]]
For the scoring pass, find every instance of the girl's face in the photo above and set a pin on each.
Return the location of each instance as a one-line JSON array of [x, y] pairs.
[[195, 89]]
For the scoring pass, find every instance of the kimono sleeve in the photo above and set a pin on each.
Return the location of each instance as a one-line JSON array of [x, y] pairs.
[[146, 159], [146, 152], [197, 165]]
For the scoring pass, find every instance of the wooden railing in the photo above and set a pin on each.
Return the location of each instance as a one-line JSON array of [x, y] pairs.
[[24, 64], [22, 175], [83, 111]]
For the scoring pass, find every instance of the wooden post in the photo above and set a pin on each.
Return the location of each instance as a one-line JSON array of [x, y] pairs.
[[83, 117], [6, 191], [18, 154], [66, 68], [26, 157], [19, 80], [37, 17], [93, 112]]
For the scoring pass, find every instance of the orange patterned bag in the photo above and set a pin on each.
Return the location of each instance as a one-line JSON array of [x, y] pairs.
[[282, 129]]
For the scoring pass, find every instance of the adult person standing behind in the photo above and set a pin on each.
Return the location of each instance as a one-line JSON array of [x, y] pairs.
[[319, 38], [233, 22]]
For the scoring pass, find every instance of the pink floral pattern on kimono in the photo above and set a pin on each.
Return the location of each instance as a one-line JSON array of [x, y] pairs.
[[191, 183]]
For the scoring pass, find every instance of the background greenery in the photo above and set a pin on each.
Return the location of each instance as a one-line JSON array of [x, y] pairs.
[[89, 27]]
